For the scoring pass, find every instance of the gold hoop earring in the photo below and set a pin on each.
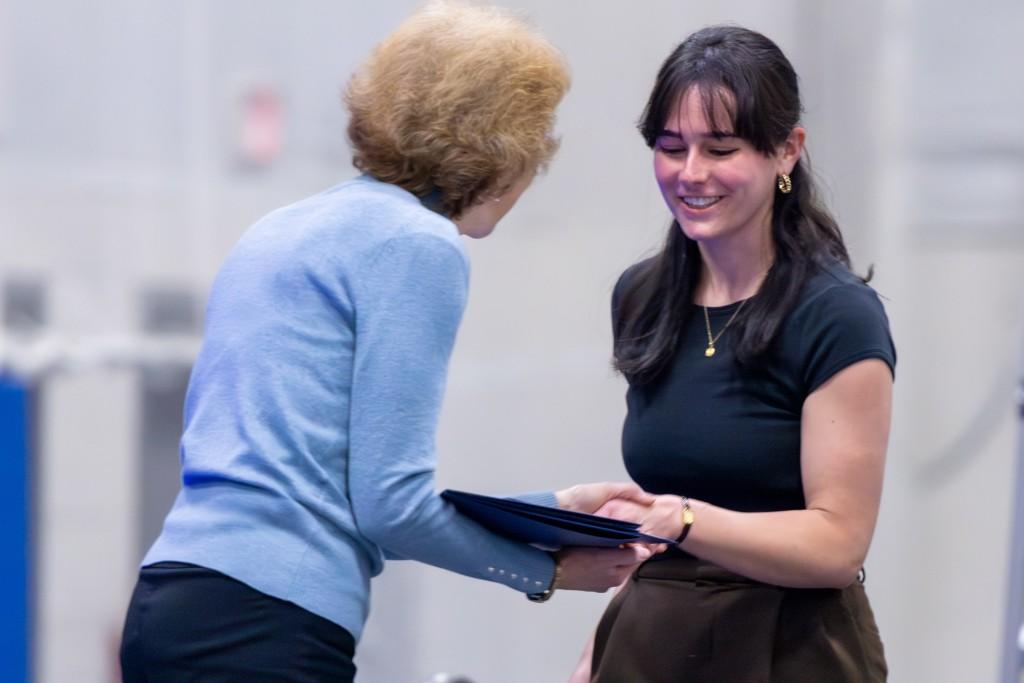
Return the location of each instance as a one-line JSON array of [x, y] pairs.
[[785, 183]]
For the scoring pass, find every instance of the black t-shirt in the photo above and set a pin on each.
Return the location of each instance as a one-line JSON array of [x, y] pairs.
[[730, 435]]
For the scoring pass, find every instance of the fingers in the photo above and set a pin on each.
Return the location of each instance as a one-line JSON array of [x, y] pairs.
[[590, 497], [626, 510], [633, 556], [598, 569], [655, 548], [628, 555], [637, 553], [617, 508]]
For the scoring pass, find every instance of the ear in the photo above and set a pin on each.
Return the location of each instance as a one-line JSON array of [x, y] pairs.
[[791, 149]]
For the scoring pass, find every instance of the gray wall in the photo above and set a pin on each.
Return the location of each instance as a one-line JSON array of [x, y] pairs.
[[119, 174]]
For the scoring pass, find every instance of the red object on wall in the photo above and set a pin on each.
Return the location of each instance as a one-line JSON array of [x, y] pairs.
[[261, 128]]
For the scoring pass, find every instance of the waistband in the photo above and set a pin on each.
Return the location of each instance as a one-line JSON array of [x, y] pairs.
[[681, 566]]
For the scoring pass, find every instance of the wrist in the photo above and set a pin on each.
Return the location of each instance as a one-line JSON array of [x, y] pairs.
[[556, 579], [686, 518], [566, 498]]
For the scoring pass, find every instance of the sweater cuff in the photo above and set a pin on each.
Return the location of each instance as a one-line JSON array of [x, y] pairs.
[[545, 498]]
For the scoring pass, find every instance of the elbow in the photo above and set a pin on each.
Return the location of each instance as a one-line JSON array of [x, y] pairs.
[[840, 577], [386, 530], [376, 529], [840, 571], [394, 526], [827, 576], [389, 505], [840, 555]]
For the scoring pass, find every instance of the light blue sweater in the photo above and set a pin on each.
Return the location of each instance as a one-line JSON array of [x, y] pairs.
[[308, 450]]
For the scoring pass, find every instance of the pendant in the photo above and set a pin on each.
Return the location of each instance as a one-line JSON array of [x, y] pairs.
[[710, 351]]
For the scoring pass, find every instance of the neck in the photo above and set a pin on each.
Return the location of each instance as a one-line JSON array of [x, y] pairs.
[[734, 271]]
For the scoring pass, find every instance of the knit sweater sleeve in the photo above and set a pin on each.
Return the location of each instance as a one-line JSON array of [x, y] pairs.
[[408, 308]]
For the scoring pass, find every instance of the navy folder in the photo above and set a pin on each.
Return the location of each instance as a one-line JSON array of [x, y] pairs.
[[546, 526]]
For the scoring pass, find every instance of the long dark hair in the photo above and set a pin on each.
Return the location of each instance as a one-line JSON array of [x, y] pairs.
[[744, 74]]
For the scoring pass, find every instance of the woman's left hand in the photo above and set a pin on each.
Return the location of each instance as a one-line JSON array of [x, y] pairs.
[[590, 497]]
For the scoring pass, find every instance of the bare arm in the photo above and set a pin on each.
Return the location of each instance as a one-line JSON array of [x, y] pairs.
[[583, 671], [584, 667]]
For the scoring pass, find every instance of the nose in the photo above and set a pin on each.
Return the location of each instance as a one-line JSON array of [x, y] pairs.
[[694, 169]]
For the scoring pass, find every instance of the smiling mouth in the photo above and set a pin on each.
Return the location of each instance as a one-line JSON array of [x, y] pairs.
[[700, 202]]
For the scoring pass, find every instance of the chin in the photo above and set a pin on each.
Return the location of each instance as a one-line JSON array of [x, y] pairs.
[[478, 232], [697, 233]]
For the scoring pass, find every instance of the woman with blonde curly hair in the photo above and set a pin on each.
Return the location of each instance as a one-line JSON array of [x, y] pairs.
[[308, 447]]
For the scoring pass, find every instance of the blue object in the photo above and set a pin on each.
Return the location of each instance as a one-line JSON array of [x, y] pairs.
[[311, 414], [549, 527], [15, 554]]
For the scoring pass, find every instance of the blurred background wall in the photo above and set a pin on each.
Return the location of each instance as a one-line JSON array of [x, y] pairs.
[[139, 139]]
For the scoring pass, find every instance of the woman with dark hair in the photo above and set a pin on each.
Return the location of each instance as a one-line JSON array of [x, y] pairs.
[[308, 446], [760, 376]]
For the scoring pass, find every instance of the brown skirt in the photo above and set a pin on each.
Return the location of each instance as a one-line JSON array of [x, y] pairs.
[[683, 619]]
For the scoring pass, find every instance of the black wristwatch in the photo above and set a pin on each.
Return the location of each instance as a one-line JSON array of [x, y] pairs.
[[546, 594]]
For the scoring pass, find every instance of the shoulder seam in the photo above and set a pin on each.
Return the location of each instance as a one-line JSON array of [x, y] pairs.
[[835, 284]]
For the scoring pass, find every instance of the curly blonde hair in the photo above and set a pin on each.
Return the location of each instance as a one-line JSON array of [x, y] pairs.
[[458, 101]]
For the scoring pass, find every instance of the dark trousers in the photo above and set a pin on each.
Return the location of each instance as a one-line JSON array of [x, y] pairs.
[[680, 619], [189, 623]]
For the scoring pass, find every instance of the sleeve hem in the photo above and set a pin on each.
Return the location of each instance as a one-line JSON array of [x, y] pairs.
[[842, 364], [545, 498]]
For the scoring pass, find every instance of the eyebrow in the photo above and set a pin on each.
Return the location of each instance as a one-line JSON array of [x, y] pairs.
[[715, 134]]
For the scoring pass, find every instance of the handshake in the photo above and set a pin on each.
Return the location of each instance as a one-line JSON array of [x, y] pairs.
[[598, 569]]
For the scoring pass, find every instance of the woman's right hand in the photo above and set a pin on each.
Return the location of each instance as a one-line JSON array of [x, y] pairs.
[[662, 517], [589, 497], [598, 569]]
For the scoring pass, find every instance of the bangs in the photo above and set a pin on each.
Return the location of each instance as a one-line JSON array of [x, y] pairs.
[[729, 106], [718, 105]]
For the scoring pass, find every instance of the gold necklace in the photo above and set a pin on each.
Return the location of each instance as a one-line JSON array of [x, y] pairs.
[[710, 350]]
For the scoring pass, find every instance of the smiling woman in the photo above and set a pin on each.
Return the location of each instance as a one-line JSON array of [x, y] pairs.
[[717, 185], [760, 379]]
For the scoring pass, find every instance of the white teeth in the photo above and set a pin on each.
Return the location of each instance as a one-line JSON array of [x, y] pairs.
[[700, 202]]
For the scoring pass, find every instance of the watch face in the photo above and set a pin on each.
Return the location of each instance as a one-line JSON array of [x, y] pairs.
[[539, 597]]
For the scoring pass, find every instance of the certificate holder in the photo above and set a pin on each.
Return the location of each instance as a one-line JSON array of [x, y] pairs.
[[547, 527]]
